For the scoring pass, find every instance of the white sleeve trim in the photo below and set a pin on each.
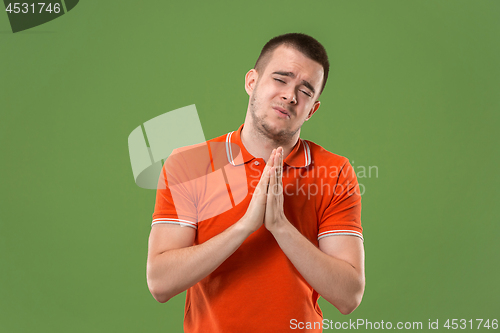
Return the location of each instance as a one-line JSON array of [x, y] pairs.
[[341, 232], [175, 221]]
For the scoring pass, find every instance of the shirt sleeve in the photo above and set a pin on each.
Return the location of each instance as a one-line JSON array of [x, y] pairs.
[[174, 203], [342, 215]]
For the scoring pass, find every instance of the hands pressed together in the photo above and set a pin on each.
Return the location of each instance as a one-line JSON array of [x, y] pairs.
[[266, 205]]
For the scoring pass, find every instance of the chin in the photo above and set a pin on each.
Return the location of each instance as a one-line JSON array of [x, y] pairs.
[[276, 132]]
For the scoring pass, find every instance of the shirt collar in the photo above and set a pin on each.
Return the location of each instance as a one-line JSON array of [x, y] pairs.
[[299, 157]]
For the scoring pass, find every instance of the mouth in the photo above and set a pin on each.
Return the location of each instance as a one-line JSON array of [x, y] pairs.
[[281, 112]]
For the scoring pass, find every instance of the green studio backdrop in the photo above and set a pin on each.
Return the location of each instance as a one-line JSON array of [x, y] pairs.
[[412, 93]]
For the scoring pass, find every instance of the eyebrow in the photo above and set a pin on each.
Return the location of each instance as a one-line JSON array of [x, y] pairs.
[[292, 75]]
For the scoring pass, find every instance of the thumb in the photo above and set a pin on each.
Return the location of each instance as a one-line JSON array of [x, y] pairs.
[[264, 179]]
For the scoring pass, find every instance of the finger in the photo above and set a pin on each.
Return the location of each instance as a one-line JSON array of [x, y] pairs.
[[263, 183], [280, 164], [270, 162], [277, 185], [277, 157], [277, 160], [280, 185], [272, 184], [273, 155], [264, 179]]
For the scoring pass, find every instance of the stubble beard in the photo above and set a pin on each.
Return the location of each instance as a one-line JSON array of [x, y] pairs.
[[280, 137]]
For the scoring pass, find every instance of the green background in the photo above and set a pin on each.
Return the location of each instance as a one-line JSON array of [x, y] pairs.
[[413, 90]]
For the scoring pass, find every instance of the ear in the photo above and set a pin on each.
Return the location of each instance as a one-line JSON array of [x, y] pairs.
[[314, 108], [250, 80]]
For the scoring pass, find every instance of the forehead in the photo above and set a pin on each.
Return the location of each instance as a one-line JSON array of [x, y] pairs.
[[288, 59]]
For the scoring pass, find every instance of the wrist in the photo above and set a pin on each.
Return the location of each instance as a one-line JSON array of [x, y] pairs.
[[245, 226], [279, 226]]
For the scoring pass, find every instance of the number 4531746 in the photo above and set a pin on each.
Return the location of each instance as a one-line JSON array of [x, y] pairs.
[[33, 8], [463, 324]]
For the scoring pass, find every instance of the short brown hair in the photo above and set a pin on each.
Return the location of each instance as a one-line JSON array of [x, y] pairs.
[[309, 46]]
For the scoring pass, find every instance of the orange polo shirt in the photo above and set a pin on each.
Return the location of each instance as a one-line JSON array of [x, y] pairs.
[[257, 289]]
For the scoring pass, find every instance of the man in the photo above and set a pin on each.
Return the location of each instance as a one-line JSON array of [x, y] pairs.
[[295, 233]]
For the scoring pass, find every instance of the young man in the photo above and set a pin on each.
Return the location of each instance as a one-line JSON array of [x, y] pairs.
[[290, 230]]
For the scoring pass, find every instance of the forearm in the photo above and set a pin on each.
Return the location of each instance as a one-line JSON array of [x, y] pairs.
[[173, 271], [335, 280]]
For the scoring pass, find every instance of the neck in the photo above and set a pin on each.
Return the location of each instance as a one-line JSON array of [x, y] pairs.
[[260, 146]]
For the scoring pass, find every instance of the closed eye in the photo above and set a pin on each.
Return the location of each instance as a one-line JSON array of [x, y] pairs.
[[303, 91], [306, 93]]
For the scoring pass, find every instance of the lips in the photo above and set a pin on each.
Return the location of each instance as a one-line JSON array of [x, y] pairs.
[[282, 111]]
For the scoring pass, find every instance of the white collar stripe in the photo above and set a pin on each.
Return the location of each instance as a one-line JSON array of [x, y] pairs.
[[229, 150], [307, 153]]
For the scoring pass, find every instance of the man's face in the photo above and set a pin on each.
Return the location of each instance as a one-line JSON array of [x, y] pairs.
[[285, 94]]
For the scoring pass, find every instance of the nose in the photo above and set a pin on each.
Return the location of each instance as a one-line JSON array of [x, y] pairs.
[[289, 96]]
